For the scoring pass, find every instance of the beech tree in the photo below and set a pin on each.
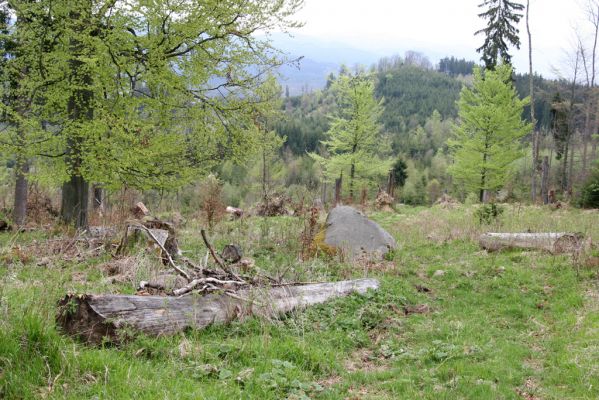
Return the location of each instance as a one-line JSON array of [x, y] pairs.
[[146, 94], [502, 17], [486, 138], [355, 145]]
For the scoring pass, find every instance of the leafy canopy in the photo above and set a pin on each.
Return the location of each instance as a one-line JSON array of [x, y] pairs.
[[146, 94]]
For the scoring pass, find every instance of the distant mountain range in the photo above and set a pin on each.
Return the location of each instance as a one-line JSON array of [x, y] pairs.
[[319, 59]]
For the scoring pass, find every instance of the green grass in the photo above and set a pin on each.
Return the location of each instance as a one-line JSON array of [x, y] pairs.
[[507, 325]]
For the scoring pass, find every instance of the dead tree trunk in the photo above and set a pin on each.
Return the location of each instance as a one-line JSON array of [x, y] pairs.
[[545, 181], [95, 318], [555, 243], [391, 183], [535, 133], [338, 183], [98, 203]]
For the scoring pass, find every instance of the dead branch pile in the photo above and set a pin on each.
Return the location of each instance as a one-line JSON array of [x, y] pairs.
[[227, 290], [274, 205], [447, 202], [383, 201]]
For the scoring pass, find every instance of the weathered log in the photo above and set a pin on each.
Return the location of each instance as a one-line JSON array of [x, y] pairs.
[[554, 242], [97, 318]]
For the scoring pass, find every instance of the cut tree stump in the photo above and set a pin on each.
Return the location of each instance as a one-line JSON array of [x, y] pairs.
[[98, 318], [555, 243]]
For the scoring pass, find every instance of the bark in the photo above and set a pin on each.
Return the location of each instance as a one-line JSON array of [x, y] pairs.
[[338, 183], [545, 181], [96, 318], [352, 174], [19, 214], [391, 183], [98, 203], [554, 243]]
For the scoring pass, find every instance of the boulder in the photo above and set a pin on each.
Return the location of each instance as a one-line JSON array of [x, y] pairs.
[[354, 234]]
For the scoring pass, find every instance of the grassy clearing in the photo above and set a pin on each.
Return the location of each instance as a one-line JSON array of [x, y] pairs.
[[510, 325]]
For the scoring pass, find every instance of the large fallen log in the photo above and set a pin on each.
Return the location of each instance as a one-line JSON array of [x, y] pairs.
[[97, 318], [555, 243]]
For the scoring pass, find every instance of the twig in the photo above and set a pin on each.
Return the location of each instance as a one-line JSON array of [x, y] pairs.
[[191, 285], [168, 255], [216, 257], [238, 297], [212, 252]]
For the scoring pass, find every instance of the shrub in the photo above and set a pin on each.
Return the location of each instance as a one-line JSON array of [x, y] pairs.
[[488, 213], [589, 195]]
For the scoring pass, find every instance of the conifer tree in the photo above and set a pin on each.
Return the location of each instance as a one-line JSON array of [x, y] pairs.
[[355, 145], [486, 139], [502, 17]]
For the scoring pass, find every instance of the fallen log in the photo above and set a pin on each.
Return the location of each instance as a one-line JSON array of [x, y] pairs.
[[555, 242], [98, 318]]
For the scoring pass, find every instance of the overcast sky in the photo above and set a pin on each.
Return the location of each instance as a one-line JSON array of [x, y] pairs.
[[442, 27]]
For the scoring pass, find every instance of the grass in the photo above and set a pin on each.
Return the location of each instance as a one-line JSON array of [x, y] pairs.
[[509, 325]]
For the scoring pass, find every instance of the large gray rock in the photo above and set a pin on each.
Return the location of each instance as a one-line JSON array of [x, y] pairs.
[[353, 233]]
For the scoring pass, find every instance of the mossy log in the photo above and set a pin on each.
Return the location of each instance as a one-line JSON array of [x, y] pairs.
[[554, 242], [114, 318]]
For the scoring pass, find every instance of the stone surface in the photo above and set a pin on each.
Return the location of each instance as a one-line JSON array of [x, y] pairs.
[[353, 233]]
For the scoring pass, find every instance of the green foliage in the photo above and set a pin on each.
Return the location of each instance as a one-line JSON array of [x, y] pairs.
[[488, 213], [486, 138], [412, 94], [589, 195], [400, 172], [355, 145], [145, 94], [453, 66], [501, 31]]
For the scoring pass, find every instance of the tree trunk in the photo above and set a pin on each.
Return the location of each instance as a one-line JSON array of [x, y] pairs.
[[19, 214], [95, 318], [75, 192], [535, 133], [545, 181], [324, 194], [571, 170], [391, 183], [338, 184], [564, 174], [352, 173], [554, 243], [98, 202]]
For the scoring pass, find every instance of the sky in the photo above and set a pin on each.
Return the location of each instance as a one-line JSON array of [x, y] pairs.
[[444, 27]]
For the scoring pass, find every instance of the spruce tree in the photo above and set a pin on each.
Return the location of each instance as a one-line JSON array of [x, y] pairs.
[[502, 17]]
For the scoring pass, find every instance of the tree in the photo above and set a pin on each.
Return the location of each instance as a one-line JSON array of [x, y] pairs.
[[22, 137], [502, 17], [355, 144], [148, 94], [535, 133], [486, 138], [268, 141]]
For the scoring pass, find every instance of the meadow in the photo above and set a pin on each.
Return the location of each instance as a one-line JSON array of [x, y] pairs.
[[450, 320]]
